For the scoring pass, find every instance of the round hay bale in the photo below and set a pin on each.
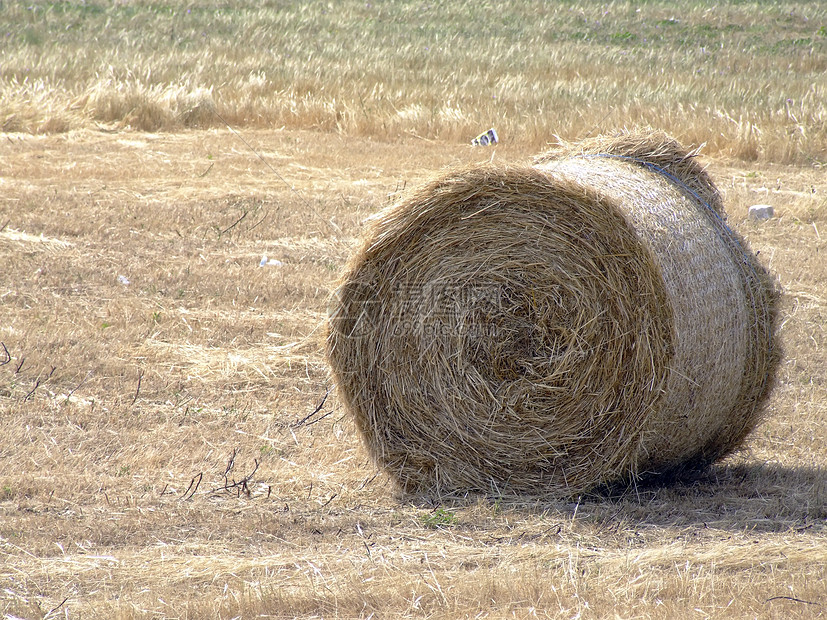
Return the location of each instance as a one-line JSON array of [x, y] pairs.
[[586, 320]]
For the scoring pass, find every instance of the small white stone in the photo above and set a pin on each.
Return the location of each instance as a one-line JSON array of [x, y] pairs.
[[761, 212]]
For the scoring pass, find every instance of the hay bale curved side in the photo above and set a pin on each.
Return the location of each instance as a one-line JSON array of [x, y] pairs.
[[713, 279]]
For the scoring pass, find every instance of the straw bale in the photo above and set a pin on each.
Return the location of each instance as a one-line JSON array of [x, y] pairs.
[[586, 320]]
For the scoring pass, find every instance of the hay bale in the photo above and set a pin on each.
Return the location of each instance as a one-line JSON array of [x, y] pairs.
[[585, 320]]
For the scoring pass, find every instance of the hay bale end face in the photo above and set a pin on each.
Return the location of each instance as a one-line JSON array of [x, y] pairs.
[[550, 328]]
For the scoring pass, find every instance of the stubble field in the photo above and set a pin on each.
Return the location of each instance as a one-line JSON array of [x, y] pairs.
[[172, 445]]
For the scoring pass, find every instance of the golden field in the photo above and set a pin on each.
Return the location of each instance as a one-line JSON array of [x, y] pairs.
[[161, 456]]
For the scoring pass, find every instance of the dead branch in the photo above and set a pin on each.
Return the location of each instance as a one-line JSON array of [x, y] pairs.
[[195, 482], [254, 226], [6, 353], [203, 174], [138, 389], [69, 395], [51, 611], [31, 392], [37, 383], [230, 464], [320, 418], [791, 598], [242, 486], [368, 480], [234, 224], [305, 419]]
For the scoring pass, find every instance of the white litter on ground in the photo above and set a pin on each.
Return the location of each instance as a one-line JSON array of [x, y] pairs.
[[270, 261]]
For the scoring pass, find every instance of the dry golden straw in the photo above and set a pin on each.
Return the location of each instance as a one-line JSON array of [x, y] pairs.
[[586, 320]]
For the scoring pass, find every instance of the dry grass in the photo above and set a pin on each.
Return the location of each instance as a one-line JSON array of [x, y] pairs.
[[117, 400], [98, 504], [747, 78]]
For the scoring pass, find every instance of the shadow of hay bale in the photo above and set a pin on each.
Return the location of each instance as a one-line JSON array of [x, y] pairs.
[[583, 321]]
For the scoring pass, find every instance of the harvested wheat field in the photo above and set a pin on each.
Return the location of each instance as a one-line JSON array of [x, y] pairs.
[[174, 444], [168, 449]]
